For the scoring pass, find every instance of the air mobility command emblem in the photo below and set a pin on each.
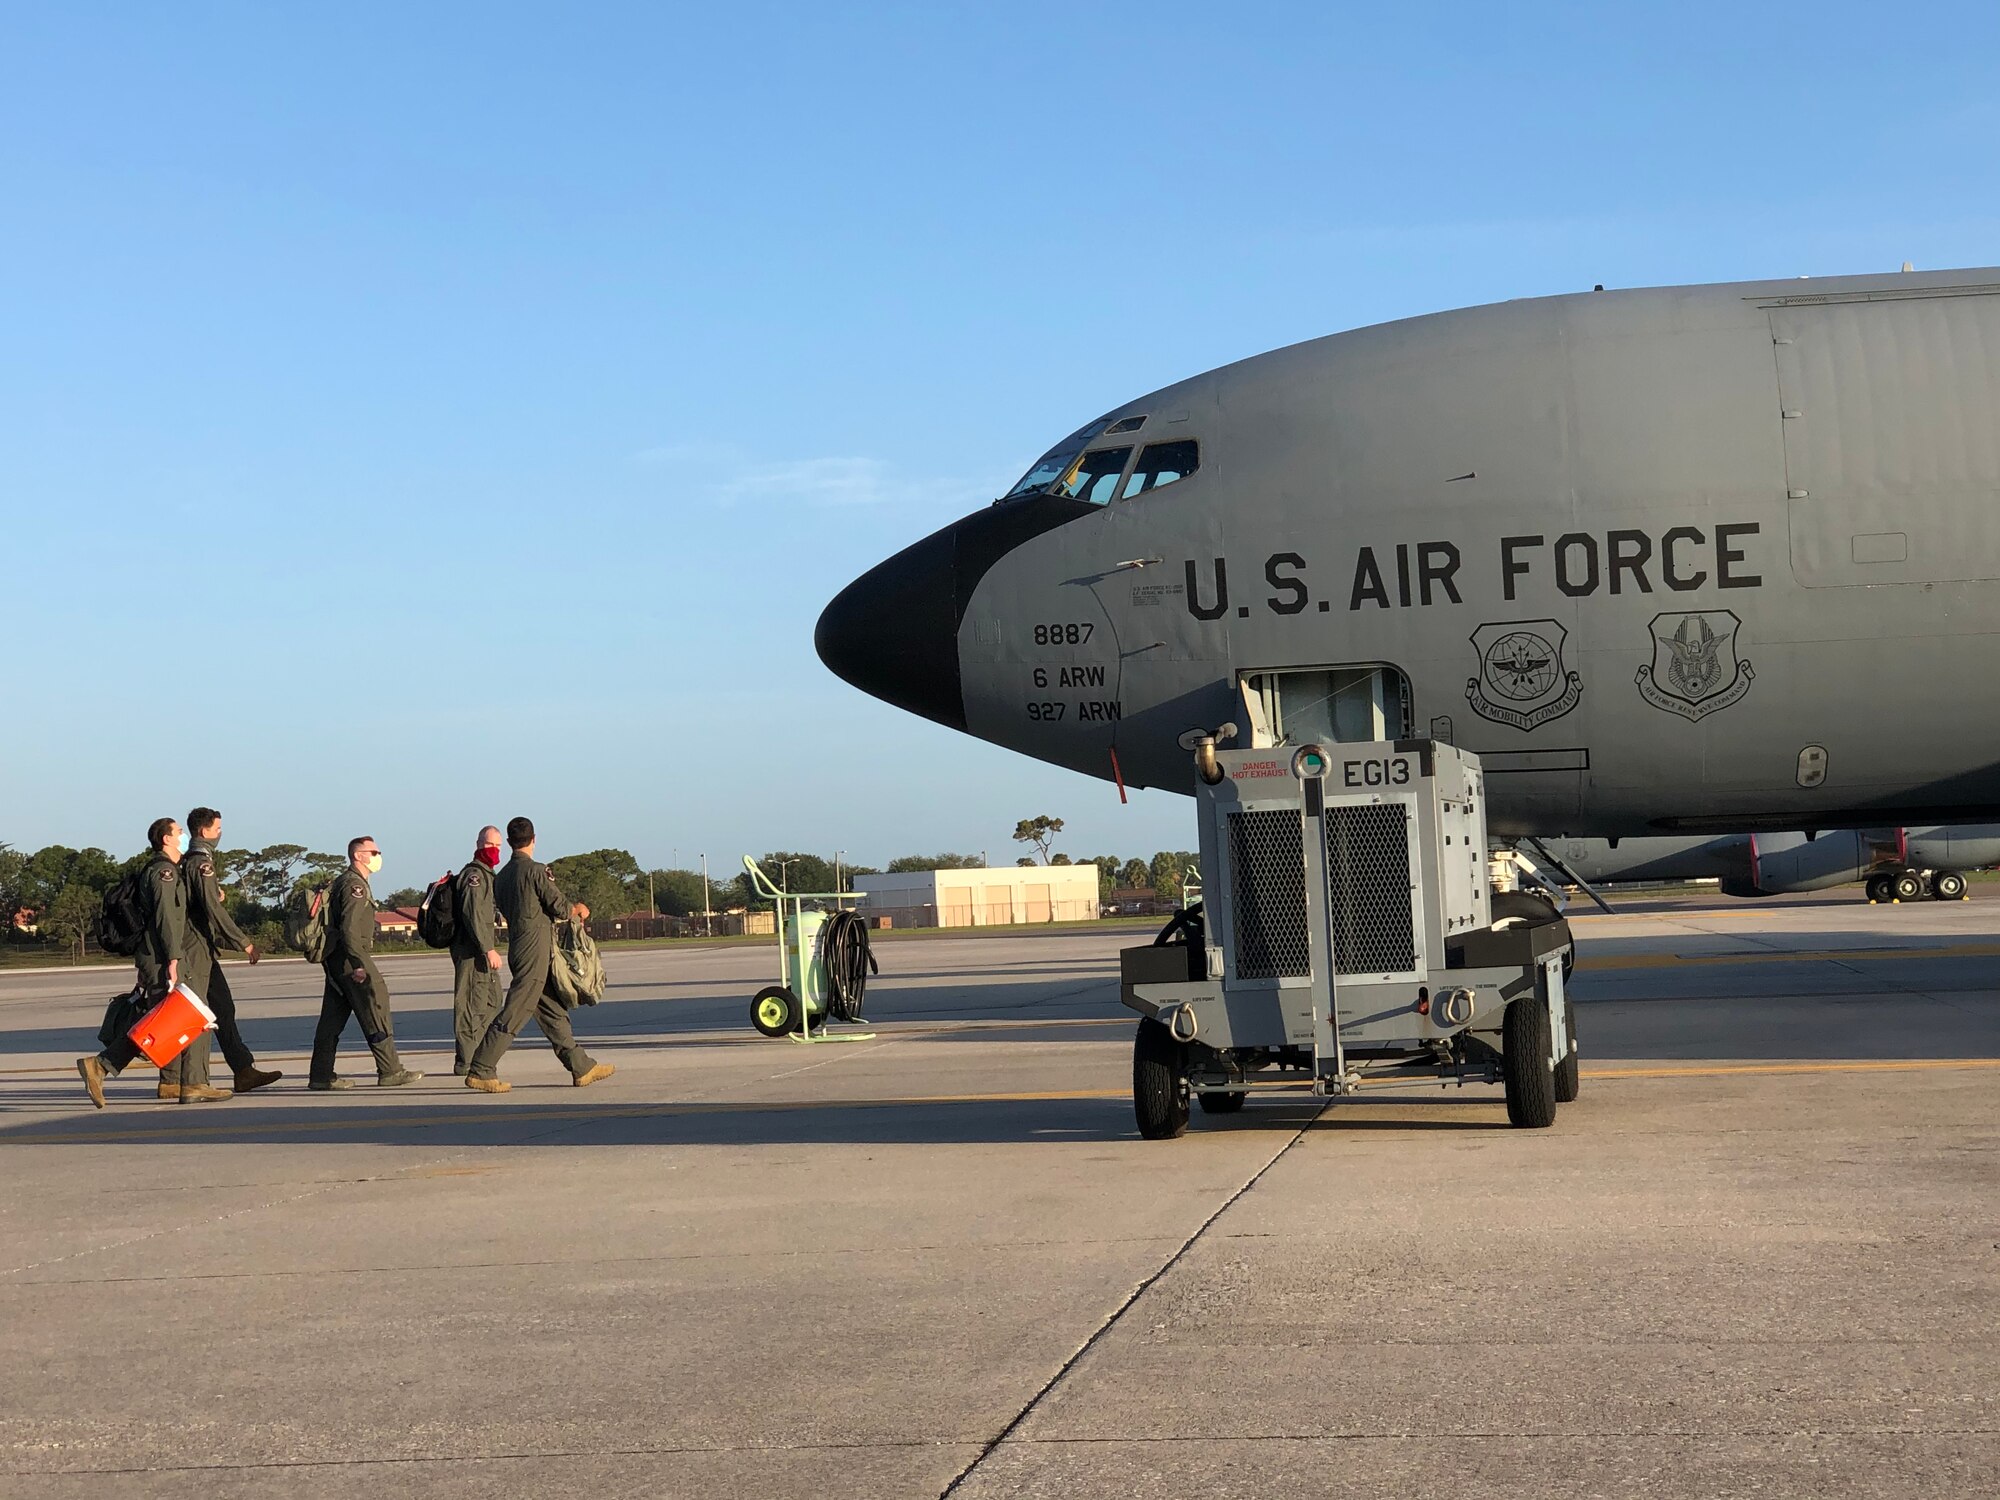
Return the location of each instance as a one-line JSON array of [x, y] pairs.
[[1696, 670], [1523, 679]]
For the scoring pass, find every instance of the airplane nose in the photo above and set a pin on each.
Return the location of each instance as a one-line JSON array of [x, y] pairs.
[[893, 632]]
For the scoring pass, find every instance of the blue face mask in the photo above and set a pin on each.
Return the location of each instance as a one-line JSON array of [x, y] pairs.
[[182, 841]]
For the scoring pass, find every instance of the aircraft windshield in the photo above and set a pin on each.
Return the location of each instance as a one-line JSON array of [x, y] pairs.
[[1094, 477], [1055, 463], [1162, 463]]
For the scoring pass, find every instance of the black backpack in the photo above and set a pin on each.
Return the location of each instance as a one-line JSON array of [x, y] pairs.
[[121, 925], [437, 918]]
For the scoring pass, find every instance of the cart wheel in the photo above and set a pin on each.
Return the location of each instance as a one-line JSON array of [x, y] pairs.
[[1524, 1063], [1159, 1083], [1223, 1104], [1569, 1073], [775, 1011], [1525, 909]]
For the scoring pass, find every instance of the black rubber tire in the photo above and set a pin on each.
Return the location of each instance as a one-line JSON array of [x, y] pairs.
[[1527, 907], [767, 1023], [1230, 1103], [1908, 885], [1878, 887], [1159, 1083], [1947, 885], [1569, 1072], [1524, 1063]]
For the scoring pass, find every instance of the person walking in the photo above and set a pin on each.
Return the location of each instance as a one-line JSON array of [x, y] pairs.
[[527, 897], [475, 951], [354, 986], [210, 930], [162, 939]]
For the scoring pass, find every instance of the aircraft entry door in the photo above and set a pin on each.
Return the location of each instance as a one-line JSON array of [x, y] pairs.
[[1890, 408]]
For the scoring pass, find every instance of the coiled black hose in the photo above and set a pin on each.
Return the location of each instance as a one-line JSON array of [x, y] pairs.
[[843, 948]]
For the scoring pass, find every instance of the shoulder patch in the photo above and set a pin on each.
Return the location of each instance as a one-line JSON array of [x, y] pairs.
[[355, 891], [167, 874], [472, 879]]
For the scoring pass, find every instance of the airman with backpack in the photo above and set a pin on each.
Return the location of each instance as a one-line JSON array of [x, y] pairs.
[[146, 917], [354, 986], [457, 913], [210, 930]]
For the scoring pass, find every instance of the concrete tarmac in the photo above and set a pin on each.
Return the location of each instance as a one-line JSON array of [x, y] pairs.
[[1760, 1255]]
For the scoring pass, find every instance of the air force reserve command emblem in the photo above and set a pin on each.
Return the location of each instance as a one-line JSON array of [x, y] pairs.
[[1695, 670], [1523, 680]]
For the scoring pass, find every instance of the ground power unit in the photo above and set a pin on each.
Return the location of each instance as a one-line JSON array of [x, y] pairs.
[[1346, 938]]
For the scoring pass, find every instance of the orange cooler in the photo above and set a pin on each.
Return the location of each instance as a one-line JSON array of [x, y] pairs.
[[163, 1033]]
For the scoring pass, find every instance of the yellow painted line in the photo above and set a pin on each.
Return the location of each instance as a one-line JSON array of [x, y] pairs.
[[680, 1039], [1904, 1065], [1596, 963]]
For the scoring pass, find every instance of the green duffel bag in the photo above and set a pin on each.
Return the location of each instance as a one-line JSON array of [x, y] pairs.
[[576, 970]]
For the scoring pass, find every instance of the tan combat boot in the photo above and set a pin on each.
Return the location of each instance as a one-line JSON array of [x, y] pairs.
[[91, 1070], [202, 1093], [601, 1070], [487, 1085]]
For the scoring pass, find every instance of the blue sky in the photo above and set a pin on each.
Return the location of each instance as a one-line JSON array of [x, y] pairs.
[[415, 415]]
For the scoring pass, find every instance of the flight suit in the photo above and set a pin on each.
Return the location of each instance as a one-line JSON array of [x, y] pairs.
[[350, 945], [164, 940], [475, 989], [527, 897], [210, 930]]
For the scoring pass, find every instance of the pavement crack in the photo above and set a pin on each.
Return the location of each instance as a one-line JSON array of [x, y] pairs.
[[1118, 1312]]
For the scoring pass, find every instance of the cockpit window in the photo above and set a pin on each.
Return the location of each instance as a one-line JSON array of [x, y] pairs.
[[1055, 463], [1095, 476], [1162, 463], [1125, 424]]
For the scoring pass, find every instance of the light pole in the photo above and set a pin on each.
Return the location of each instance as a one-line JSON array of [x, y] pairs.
[[707, 906], [784, 873], [837, 886]]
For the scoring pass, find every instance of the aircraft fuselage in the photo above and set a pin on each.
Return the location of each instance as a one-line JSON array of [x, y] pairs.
[[1681, 559]]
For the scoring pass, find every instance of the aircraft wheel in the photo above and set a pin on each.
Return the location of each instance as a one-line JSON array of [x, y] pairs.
[[1159, 1083], [775, 1011], [1878, 887], [1948, 885], [1524, 909], [1230, 1103], [1569, 1072], [1907, 886], [1524, 1063]]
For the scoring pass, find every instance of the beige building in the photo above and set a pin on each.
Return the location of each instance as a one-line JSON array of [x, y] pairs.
[[982, 898]]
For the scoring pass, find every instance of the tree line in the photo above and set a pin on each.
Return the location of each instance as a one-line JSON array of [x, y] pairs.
[[63, 889]]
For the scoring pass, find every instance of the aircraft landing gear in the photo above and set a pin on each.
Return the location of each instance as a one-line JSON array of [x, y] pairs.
[[1947, 885], [1916, 885]]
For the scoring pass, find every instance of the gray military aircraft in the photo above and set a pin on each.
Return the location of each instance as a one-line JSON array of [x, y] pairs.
[[1686, 559], [1896, 864]]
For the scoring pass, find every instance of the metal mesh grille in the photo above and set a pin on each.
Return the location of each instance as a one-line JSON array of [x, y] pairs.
[[1368, 881], [1267, 868]]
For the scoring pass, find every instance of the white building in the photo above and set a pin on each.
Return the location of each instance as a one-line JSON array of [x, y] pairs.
[[982, 898]]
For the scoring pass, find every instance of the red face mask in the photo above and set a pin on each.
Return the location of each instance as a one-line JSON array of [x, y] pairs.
[[489, 856]]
